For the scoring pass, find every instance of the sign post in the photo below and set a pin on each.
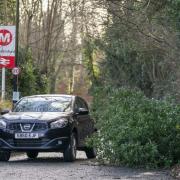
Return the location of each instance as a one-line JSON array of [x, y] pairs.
[[3, 86], [15, 81], [7, 52]]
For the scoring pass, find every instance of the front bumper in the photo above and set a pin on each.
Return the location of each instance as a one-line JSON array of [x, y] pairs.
[[49, 140], [41, 145]]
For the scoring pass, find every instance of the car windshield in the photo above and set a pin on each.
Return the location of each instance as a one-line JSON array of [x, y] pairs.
[[44, 104]]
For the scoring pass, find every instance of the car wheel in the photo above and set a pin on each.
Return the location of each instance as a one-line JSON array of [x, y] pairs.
[[70, 152], [90, 153], [5, 155], [32, 154]]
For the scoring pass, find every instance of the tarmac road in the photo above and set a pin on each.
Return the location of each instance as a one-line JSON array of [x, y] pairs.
[[50, 166]]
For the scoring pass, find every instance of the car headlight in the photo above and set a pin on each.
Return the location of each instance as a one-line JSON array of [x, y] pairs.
[[59, 123], [2, 124]]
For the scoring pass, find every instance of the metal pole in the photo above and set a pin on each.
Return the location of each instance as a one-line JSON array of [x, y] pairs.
[[3, 84], [15, 82], [17, 30]]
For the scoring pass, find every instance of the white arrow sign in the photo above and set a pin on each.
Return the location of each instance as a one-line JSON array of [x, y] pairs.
[[4, 61]]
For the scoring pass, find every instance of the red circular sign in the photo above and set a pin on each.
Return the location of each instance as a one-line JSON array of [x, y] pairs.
[[5, 37], [16, 71]]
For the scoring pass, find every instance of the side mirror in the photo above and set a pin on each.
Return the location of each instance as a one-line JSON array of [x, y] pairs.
[[82, 111], [5, 111]]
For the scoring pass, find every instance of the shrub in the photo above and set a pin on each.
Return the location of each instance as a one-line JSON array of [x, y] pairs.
[[5, 105], [134, 130]]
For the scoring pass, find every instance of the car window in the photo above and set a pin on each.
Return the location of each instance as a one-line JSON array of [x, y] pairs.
[[83, 103], [77, 104], [44, 104]]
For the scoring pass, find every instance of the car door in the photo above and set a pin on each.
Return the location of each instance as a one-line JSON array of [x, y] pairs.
[[84, 122], [88, 122]]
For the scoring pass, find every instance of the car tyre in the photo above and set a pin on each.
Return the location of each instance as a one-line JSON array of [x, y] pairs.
[[32, 154], [70, 153], [5, 155], [90, 152]]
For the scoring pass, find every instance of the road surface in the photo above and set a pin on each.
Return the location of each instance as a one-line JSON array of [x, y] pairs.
[[50, 166]]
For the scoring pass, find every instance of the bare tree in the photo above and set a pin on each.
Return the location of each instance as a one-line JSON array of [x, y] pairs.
[[55, 36]]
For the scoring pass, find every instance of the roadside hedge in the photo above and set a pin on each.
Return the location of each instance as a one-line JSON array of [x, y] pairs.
[[5, 105], [134, 130]]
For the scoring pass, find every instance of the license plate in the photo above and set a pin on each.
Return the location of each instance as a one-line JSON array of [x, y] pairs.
[[26, 136]]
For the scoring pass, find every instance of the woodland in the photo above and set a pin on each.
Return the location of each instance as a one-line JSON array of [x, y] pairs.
[[123, 56]]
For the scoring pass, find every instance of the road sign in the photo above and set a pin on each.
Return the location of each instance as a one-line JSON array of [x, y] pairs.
[[7, 46], [16, 70], [4, 61], [5, 37], [16, 96]]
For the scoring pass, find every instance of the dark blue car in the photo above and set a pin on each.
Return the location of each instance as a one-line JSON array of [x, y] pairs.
[[47, 123]]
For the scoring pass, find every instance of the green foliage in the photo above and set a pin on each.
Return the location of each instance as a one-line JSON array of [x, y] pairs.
[[5, 105], [89, 59], [141, 47], [7, 12], [138, 52], [135, 130], [30, 80], [174, 12]]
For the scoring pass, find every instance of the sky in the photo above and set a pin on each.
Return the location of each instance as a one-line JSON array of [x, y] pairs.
[[45, 2]]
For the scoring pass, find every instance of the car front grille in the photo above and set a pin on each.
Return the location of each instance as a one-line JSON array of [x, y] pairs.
[[28, 142], [35, 126], [40, 126], [14, 127]]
